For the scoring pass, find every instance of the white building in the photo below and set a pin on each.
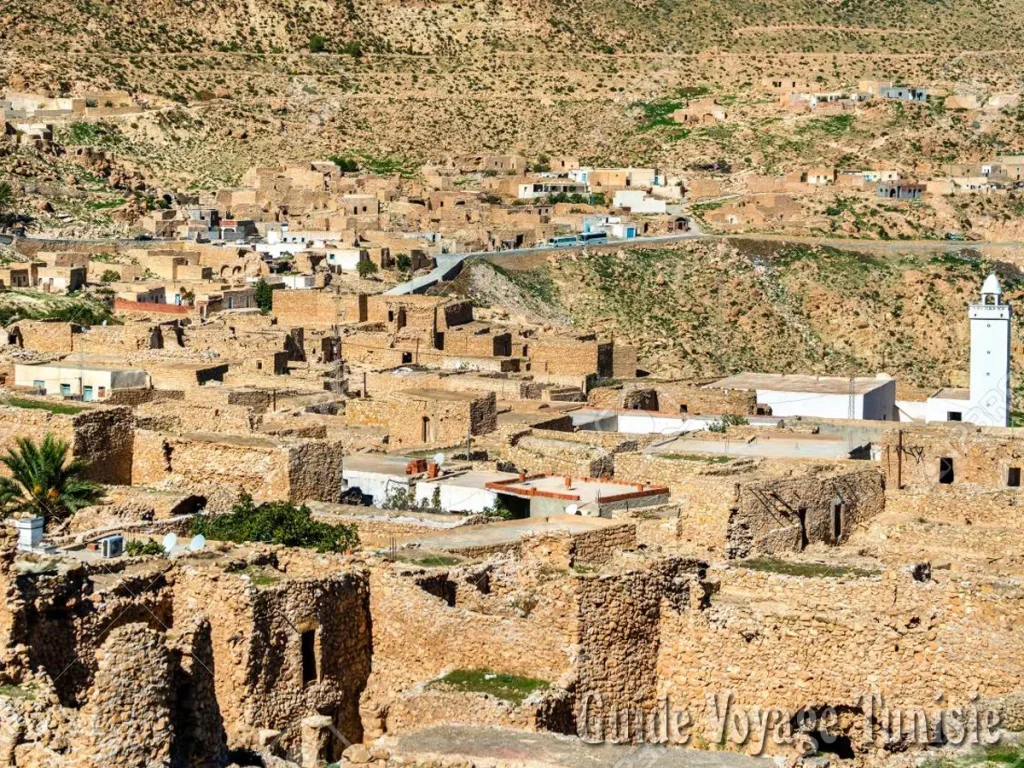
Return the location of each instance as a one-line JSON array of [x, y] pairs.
[[89, 382], [298, 282], [987, 402], [822, 397], [637, 201]]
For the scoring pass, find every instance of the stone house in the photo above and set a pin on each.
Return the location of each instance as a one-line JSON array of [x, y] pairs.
[[700, 112], [60, 279]]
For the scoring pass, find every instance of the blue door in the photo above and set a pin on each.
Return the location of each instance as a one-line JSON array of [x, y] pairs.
[[87, 394]]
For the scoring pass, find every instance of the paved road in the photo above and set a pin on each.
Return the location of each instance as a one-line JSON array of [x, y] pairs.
[[520, 748], [448, 264]]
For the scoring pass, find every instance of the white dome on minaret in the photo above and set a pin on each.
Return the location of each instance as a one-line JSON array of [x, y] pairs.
[[991, 286]]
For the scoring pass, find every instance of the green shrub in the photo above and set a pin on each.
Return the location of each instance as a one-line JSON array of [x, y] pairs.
[[276, 522], [365, 268], [137, 548], [317, 44], [507, 687]]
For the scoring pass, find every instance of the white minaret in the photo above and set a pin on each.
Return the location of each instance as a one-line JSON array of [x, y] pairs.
[[990, 357]]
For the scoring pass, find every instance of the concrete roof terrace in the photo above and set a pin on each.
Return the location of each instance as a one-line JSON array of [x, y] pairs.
[[784, 382], [584, 490]]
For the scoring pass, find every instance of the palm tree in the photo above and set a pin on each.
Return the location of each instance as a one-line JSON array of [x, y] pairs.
[[44, 481]]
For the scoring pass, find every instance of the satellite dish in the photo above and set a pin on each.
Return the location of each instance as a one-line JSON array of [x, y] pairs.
[[170, 542], [439, 458], [572, 509], [197, 543]]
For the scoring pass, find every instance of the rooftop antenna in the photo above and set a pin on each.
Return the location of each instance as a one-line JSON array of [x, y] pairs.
[[170, 542], [572, 509], [439, 459], [197, 543]]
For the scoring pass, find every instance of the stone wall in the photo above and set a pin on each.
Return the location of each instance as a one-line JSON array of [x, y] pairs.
[[128, 719], [675, 398], [562, 356], [265, 678], [193, 417], [621, 617], [134, 397], [500, 620], [268, 468], [795, 642], [100, 434], [789, 514], [128, 338], [443, 420], [45, 336], [533, 454], [976, 456]]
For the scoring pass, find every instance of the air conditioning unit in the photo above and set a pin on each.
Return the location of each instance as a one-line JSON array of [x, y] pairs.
[[112, 546]]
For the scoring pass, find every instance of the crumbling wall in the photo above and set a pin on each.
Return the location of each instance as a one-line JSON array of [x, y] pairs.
[[533, 454], [126, 339], [262, 615], [675, 398], [817, 641], [620, 629], [913, 456], [102, 435], [128, 717], [46, 336], [507, 622], [788, 514]]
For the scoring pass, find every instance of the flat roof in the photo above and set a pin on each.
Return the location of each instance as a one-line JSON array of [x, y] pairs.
[[785, 382], [784, 446], [78, 367], [443, 394], [582, 490], [376, 462]]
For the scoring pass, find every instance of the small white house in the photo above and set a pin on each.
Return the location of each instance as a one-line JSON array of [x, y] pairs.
[[298, 282], [345, 259], [638, 201], [89, 382]]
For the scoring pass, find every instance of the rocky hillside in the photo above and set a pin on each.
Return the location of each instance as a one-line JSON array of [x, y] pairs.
[[714, 309], [567, 26]]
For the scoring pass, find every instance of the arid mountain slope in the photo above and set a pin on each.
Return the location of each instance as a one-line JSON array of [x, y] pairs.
[[567, 26], [714, 309]]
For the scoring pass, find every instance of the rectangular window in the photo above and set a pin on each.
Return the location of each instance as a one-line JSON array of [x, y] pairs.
[[954, 416], [683, 408], [309, 674], [1013, 477], [946, 470]]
